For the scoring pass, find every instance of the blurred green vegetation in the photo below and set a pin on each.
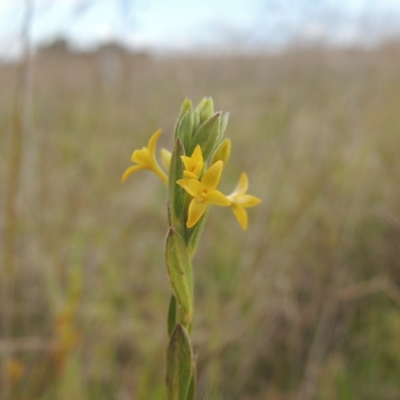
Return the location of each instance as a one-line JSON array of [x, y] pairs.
[[304, 305]]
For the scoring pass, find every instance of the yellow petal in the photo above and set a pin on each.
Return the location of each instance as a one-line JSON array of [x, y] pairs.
[[166, 158], [153, 142], [247, 200], [212, 176], [187, 161], [189, 175], [196, 211], [217, 198], [141, 156], [242, 185], [130, 171], [197, 155], [192, 186], [241, 216], [194, 164]]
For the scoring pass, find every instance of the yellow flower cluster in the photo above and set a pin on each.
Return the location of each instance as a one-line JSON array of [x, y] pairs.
[[201, 187]]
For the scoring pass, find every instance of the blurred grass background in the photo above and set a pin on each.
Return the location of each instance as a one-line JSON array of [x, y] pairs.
[[304, 305]]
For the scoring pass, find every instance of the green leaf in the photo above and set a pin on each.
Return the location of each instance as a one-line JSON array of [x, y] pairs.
[[202, 112], [176, 194], [172, 317], [223, 124], [200, 106], [206, 136], [223, 152], [207, 109], [179, 364], [184, 128], [186, 106], [180, 273], [192, 387], [194, 234], [196, 121]]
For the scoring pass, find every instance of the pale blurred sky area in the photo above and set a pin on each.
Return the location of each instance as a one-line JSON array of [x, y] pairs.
[[207, 25]]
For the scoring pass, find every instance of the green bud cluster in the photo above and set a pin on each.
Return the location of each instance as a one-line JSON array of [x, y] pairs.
[[206, 128]]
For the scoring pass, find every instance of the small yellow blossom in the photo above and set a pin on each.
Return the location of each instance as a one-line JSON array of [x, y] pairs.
[[204, 193], [240, 200], [166, 158], [194, 164], [145, 158]]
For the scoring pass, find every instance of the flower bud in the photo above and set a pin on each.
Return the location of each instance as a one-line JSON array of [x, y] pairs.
[[223, 152]]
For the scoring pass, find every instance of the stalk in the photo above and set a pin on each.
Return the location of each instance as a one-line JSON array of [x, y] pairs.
[[191, 189], [20, 126]]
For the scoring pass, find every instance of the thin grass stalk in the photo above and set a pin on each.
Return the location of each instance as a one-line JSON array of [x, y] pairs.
[[19, 129]]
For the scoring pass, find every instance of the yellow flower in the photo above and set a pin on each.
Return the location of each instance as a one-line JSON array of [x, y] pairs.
[[166, 158], [194, 164], [145, 158], [240, 200], [204, 193]]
